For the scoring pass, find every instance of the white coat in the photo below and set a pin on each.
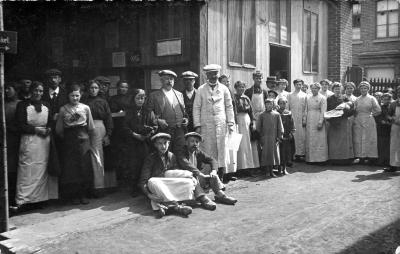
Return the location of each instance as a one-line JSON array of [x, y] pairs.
[[212, 111]]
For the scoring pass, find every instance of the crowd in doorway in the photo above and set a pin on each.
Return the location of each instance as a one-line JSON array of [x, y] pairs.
[[74, 141]]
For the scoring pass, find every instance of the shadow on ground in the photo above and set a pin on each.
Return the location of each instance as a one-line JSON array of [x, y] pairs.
[[382, 241]]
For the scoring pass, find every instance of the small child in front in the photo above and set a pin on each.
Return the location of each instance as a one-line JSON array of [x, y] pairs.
[[285, 147], [270, 128]]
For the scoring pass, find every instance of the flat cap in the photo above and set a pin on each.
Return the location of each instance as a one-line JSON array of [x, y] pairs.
[[211, 67], [257, 73], [167, 72], [189, 75], [160, 135], [53, 72], [193, 134], [102, 79], [271, 79]]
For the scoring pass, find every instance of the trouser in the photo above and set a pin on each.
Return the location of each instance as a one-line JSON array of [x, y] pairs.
[[177, 138], [212, 182]]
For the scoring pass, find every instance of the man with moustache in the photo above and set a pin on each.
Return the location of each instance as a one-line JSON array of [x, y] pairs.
[[169, 109], [213, 116], [54, 93], [189, 78]]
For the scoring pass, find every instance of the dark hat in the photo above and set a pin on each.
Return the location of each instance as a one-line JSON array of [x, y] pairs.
[[189, 75], [274, 92], [257, 73], [160, 135], [193, 134], [102, 79], [53, 72], [167, 72], [271, 79], [211, 67]]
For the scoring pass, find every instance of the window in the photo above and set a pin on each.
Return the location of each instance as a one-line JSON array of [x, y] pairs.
[[356, 21], [387, 18], [242, 33], [310, 42], [279, 21]]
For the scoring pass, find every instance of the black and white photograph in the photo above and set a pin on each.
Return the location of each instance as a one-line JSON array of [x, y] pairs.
[[200, 126]]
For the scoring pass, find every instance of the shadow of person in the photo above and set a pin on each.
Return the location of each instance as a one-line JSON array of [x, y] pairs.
[[376, 176]]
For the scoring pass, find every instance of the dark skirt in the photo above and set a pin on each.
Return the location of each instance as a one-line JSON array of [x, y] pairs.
[[383, 146], [76, 170]]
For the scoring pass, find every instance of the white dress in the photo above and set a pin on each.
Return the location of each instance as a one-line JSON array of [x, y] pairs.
[[297, 104]]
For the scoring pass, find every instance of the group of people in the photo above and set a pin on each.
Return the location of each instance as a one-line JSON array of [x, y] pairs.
[[74, 141]]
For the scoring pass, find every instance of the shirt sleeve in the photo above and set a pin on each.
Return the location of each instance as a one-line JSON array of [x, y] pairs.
[[185, 164], [197, 109], [376, 109], [60, 123], [89, 119], [21, 117], [108, 122]]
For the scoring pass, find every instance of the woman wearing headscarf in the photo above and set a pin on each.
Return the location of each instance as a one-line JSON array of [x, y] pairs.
[[340, 138], [139, 124], [101, 137], [364, 129], [313, 118], [34, 184]]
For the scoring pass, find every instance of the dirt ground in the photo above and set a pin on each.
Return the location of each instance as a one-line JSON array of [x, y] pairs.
[[315, 209]]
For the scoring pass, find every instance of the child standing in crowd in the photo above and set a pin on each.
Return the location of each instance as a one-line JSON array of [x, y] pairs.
[[270, 128], [383, 126], [74, 125], [139, 125], [285, 147]]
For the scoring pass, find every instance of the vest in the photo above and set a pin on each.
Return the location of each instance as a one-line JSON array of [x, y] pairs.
[[172, 114]]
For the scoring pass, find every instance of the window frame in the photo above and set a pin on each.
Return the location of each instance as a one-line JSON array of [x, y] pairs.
[[354, 16], [387, 11], [311, 71], [243, 64]]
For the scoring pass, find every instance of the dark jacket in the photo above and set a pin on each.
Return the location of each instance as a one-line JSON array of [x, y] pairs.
[[189, 109], [249, 92], [154, 167], [56, 103], [201, 157]]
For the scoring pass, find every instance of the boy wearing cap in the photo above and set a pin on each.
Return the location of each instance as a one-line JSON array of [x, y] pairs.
[[163, 184], [169, 108], [213, 115], [193, 159], [189, 79]]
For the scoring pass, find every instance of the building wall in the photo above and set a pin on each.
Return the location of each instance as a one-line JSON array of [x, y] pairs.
[[320, 7], [217, 51], [370, 52]]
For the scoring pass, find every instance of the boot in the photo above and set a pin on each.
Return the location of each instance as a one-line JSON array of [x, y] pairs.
[[183, 210], [207, 203]]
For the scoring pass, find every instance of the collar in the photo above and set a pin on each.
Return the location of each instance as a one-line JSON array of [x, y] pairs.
[[57, 90]]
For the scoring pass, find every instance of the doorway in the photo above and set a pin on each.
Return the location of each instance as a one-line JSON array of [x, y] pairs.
[[279, 66]]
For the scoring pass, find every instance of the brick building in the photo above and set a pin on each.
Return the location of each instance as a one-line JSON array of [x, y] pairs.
[[376, 41]]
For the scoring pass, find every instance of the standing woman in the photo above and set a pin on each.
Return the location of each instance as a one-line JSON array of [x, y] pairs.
[[245, 121], [103, 124], [74, 125], [11, 101], [139, 124], [364, 129], [394, 112], [33, 182], [340, 138], [313, 118], [349, 88]]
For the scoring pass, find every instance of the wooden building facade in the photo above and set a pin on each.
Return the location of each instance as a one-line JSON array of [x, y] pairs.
[[132, 41]]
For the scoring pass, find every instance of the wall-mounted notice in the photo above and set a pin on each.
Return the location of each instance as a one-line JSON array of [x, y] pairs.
[[169, 47]]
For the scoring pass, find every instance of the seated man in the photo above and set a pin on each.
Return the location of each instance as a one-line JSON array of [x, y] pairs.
[[192, 159], [164, 184]]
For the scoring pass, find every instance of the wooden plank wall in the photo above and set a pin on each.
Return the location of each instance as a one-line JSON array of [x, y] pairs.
[[218, 40]]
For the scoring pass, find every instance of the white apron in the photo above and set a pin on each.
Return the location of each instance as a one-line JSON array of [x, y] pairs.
[[258, 107]]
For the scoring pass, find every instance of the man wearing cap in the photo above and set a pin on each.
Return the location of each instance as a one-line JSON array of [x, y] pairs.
[[104, 86], [189, 78], [297, 105], [169, 108], [193, 159], [213, 115], [163, 183], [54, 93]]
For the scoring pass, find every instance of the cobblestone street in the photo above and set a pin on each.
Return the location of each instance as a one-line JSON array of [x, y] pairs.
[[315, 209]]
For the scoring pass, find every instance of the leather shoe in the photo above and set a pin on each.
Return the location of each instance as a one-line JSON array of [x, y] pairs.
[[160, 213], [183, 210], [208, 204], [225, 200]]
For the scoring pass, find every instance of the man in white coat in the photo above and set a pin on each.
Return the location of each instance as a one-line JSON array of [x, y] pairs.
[[213, 115]]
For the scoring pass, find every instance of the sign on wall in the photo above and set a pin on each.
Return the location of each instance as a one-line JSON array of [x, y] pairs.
[[8, 42], [118, 59], [155, 79], [169, 47]]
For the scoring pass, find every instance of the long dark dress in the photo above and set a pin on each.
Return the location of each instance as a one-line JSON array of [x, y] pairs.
[[12, 146], [286, 148], [118, 148], [141, 121], [383, 128], [340, 138], [74, 124]]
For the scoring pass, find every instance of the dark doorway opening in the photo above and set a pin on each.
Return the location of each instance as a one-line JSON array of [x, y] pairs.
[[279, 59]]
